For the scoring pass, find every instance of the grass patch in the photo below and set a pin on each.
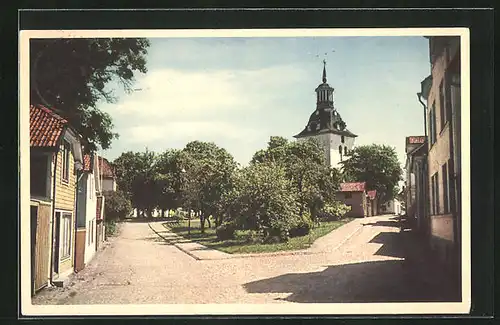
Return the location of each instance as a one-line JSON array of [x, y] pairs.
[[240, 245]]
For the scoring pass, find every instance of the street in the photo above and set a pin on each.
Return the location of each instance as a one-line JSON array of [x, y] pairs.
[[371, 265]]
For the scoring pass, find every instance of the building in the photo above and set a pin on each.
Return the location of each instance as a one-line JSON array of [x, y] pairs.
[[391, 207], [326, 125], [416, 184], [108, 177], [354, 196], [441, 90], [55, 158], [89, 196]]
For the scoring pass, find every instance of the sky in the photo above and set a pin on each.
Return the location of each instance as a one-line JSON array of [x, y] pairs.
[[237, 92]]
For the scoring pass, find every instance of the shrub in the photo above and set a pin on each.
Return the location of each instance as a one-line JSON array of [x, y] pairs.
[[116, 205], [333, 212], [110, 228], [250, 236], [225, 231], [302, 227]]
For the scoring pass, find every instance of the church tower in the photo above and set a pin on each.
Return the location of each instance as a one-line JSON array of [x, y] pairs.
[[326, 125]]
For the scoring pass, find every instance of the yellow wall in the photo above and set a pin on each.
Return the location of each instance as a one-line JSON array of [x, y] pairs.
[[439, 152], [65, 200], [65, 191]]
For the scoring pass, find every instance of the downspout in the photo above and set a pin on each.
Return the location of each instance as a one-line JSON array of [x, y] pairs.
[[425, 166], [51, 279]]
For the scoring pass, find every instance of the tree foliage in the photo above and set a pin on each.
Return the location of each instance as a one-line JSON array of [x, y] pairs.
[[378, 166], [73, 75], [116, 205], [263, 199], [208, 171], [303, 161]]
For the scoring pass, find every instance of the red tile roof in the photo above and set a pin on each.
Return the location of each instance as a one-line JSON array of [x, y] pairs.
[[99, 208], [372, 194], [46, 127], [352, 187], [87, 165], [105, 168]]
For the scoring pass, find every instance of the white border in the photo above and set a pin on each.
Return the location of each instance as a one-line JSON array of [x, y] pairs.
[[27, 309]]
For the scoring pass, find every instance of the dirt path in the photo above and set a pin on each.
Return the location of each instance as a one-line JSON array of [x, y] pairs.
[[138, 267]]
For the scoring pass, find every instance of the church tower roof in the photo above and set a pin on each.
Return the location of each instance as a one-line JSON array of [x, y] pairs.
[[325, 119]]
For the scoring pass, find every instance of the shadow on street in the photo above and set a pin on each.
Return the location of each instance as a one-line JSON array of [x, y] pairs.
[[366, 282], [413, 278]]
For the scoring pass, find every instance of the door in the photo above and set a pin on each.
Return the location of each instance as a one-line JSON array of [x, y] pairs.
[[33, 213], [57, 240]]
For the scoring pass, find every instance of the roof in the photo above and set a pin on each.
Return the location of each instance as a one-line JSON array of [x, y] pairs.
[[327, 123], [87, 163], [353, 187], [105, 168], [46, 127], [372, 194]]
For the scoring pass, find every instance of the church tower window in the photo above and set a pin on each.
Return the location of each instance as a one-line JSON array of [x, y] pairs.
[[342, 139], [345, 151]]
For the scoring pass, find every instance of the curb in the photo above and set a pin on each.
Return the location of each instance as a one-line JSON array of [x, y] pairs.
[[358, 229], [176, 245]]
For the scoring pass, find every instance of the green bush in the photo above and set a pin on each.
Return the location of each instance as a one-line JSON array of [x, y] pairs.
[[110, 228], [301, 228], [250, 236], [333, 212], [225, 231], [116, 205]]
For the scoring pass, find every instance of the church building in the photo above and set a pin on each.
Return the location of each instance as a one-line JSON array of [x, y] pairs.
[[326, 125]]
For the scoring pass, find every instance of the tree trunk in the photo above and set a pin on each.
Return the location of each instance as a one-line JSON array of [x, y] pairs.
[[209, 224], [162, 213], [202, 222]]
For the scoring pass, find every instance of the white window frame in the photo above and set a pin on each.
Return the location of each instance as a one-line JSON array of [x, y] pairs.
[[65, 238], [65, 164]]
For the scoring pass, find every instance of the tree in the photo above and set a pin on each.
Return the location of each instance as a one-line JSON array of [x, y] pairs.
[[208, 176], [72, 75], [313, 180], [378, 166], [263, 198], [116, 205], [169, 179], [136, 176]]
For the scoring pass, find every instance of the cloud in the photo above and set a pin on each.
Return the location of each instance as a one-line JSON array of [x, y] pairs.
[[188, 131], [196, 95]]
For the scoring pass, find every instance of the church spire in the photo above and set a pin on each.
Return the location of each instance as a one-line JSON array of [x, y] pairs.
[[324, 71]]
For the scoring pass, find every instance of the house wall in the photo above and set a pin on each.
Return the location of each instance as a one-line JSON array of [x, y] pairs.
[[65, 201], [357, 202], [90, 217], [108, 184], [441, 224]]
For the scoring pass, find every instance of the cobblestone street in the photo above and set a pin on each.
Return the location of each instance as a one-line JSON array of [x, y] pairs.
[[138, 267]]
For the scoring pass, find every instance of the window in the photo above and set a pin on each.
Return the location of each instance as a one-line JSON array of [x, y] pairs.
[[39, 175], [342, 139], [444, 102], [345, 151], [65, 248], [340, 150], [432, 123], [348, 195], [65, 162], [90, 233], [435, 194], [446, 202]]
